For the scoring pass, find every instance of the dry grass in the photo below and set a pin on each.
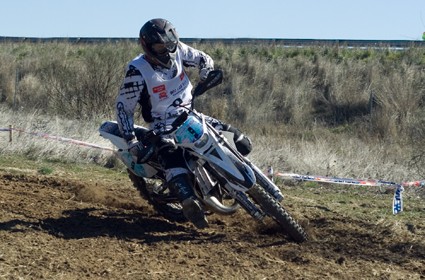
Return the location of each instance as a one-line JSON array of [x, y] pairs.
[[322, 110], [319, 152], [331, 155], [32, 144]]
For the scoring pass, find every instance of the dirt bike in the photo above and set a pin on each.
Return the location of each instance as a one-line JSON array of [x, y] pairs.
[[223, 179]]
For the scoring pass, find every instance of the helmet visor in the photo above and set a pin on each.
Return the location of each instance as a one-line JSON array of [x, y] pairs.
[[164, 49]]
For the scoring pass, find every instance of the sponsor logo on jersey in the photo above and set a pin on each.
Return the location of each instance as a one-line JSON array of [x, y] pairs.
[[161, 91]]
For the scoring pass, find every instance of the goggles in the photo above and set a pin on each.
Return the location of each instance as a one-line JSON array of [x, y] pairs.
[[163, 49]]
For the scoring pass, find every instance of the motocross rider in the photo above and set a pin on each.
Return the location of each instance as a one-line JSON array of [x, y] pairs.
[[154, 80]]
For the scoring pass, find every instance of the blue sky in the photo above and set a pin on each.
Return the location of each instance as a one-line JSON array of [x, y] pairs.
[[299, 19]]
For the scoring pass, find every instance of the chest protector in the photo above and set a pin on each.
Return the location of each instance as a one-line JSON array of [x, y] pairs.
[[163, 92]]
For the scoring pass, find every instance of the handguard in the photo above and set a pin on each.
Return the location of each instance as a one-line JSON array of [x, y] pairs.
[[215, 77]]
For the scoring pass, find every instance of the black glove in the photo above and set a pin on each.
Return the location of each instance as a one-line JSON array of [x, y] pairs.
[[214, 78], [142, 152]]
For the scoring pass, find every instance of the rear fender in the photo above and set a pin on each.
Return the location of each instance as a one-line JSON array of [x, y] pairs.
[[139, 169], [109, 130]]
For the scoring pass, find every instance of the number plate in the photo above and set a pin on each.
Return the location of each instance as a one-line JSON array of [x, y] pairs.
[[190, 131]]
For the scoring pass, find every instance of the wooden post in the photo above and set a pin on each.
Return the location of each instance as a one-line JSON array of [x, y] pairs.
[[270, 173], [10, 133]]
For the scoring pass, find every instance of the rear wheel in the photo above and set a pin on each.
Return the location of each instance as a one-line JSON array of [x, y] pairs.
[[275, 210], [159, 197]]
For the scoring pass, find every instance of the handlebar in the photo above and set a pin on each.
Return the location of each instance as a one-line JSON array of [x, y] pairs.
[[215, 77], [153, 136], [179, 121]]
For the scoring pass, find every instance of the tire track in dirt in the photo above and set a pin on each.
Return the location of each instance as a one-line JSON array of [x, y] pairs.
[[56, 228]]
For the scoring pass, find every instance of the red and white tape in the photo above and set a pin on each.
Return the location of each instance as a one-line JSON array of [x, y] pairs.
[[59, 138], [397, 205]]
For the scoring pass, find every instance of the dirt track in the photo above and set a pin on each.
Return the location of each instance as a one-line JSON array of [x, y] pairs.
[[56, 229]]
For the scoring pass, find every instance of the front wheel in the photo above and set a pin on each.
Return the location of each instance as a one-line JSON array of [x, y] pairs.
[[275, 210], [160, 198]]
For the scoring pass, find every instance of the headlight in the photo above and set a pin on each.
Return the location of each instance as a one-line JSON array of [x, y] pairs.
[[202, 141]]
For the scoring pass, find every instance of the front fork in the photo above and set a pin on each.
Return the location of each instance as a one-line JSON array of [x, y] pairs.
[[231, 188], [246, 203], [265, 182]]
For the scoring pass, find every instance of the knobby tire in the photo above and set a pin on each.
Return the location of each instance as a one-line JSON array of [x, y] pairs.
[[275, 210]]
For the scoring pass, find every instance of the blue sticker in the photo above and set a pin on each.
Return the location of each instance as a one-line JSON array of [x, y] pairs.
[[138, 169], [190, 131]]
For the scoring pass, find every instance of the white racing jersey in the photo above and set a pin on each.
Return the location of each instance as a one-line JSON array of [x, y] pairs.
[[156, 88], [162, 91]]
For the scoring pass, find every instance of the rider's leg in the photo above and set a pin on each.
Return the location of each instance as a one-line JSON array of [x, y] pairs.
[[192, 208], [177, 176]]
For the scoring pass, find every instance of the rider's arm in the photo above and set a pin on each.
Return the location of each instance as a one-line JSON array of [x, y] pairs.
[[196, 58], [125, 104]]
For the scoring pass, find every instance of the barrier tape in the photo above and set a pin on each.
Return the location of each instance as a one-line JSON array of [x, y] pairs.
[[60, 138], [397, 205], [414, 184], [336, 180], [349, 181]]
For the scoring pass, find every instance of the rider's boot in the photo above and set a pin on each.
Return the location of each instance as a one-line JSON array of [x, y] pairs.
[[192, 208]]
